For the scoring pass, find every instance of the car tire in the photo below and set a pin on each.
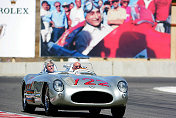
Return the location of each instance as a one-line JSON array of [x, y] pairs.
[[94, 111], [49, 108], [26, 106], [118, 112]]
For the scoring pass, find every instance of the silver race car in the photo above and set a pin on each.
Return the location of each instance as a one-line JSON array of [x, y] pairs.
[[79, 89]]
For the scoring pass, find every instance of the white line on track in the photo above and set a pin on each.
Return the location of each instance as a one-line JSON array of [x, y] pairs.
[[170, 89]]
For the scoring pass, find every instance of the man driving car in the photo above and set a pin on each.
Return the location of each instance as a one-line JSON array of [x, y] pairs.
[[49, 66]]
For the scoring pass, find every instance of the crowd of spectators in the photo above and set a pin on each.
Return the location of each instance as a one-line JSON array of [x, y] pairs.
[[113, 12]]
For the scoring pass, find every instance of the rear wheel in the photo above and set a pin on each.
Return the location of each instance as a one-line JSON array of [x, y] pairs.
[[49, 108], [26, 106], [94, 111], [118, 112]]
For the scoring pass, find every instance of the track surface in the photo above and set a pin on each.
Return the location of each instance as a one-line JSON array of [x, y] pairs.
[[144, 101]]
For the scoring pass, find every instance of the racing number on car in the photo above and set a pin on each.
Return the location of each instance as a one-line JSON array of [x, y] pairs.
[[76, 81], [91, 82], [103, 84]]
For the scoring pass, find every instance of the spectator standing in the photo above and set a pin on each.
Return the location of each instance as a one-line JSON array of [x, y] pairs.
[[111, 3], [124, 4], [58, 22], [77, 14], [148, 4], [67, 12], [162, 13], [167, 24], [46, 30], [117, 15], [100, 3], [106, 8], [44, 8], [160, 10], [71, 6]]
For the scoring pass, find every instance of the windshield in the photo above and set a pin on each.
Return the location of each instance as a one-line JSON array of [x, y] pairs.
[[86, 69], [83, 72]]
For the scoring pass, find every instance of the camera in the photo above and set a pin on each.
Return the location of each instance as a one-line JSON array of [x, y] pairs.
[[106, 9], [107, 5]]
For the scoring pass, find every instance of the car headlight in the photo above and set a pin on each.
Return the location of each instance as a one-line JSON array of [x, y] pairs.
[[122, 86], [58, 85]]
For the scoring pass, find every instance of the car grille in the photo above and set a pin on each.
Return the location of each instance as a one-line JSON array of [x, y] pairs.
[[91, 97]]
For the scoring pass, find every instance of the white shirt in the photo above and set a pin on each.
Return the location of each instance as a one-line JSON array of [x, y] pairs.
[[76, 16], [147, 2], [96, 35], [44, 12]]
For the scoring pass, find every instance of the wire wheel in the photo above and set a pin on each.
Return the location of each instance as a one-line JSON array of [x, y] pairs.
[[49, 108], [26, 106]]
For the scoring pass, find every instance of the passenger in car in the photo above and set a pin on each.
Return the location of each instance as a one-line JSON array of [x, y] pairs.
[[76, 66]]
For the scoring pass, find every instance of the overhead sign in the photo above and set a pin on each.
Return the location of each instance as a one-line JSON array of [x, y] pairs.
[[17, 28]]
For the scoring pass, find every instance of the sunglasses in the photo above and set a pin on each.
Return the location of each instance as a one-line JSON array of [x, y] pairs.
[[125, 1], [115, 1], [57, 6], [50, 66], [65, 6], [77, 66], [89, 6]]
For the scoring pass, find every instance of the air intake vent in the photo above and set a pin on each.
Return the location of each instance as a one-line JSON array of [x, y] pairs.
[[91, 97]]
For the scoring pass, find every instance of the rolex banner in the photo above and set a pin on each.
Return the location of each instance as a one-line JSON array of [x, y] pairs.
[[17, 28]]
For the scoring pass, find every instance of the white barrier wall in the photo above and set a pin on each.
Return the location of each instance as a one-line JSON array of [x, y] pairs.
[[138, 68]]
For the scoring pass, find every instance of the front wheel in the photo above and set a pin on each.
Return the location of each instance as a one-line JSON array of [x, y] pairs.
[[49, 108], [26, 106], [118, 112]]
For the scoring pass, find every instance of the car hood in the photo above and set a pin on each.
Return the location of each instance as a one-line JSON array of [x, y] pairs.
[[82, 80]]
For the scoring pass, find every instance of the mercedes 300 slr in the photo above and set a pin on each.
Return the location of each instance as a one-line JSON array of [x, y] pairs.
[[79, 89]]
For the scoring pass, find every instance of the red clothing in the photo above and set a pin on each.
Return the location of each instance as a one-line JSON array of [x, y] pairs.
[[133, 37], [65, 39], [129, 39], [128, 12], [162, 9], [151, 6], [68, 19]]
